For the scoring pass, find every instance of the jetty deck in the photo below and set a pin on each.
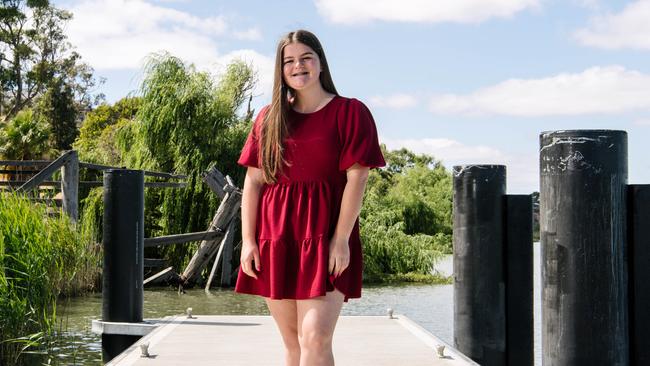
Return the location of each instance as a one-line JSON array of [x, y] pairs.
[[255, 340]]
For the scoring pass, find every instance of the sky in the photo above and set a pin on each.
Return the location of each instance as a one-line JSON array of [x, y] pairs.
[[467, 81]]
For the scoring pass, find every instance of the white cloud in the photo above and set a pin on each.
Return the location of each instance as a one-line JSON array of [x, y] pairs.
[[611, 89], [628, 29], [119, 34], [522, 169], [461, 11], [396, 101], [450, 151]]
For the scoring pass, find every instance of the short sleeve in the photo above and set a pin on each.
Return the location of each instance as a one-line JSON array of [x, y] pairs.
[[250, 152], [358, 137]]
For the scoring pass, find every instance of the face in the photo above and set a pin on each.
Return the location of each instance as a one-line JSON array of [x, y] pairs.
[[300, 66]]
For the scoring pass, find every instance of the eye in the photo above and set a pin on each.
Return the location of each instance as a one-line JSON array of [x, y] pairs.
[[287, 62]]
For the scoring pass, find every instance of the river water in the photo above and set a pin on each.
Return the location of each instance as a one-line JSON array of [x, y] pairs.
[[431, 306]]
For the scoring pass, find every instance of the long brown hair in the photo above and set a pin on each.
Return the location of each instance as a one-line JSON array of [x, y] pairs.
[[274, 126]]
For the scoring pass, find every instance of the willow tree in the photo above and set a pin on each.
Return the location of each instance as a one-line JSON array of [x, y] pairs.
[[187, 121]]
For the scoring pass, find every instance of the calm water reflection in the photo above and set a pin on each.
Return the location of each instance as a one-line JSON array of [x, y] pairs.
[[431, 306]]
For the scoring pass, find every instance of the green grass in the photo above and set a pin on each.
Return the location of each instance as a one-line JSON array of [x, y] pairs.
[[41, 258]]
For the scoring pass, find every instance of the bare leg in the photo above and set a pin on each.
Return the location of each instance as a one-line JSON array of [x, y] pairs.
[[316, 322], [285, 316]]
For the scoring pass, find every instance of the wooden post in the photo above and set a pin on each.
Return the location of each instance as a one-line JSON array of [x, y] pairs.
[[226, 242], [479, 268], [123, 259], [226, 266], [639, 269], [583, 177], [228, 208], [70, 186], [519, 279], [219, 184]]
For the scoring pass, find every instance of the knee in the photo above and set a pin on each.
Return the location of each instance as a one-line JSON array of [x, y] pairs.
[[291, 342], [315, 341], [292, 346]]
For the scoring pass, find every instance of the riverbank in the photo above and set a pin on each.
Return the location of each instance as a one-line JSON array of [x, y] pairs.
[[42, 257], [430, 305]]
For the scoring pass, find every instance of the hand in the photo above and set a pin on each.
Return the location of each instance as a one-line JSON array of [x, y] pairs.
[[339, 258], [250, 253]]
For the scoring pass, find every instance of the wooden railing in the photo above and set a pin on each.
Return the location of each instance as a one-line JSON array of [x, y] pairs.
[[69, 165], [216, 240]]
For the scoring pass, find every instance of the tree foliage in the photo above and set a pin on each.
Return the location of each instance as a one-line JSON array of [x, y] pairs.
[[24, 137], [406, 216], [40, 70], [97, 136], [183, 121], [186, 123]]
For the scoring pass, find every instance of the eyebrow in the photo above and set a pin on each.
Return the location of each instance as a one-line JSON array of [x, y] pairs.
[[306, 53]]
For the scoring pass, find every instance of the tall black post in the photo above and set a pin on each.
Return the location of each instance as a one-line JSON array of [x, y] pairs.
[[519, 280], [479, 268], [639, 260], [123, 241], [583, 238]]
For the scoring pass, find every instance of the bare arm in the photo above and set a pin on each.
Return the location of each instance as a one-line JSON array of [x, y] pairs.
[[357, 176], [249, 202]]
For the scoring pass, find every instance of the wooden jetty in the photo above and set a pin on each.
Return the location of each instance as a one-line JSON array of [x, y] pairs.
[[255, 340]]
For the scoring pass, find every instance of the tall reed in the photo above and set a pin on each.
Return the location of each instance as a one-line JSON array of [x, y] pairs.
[[41, 258]]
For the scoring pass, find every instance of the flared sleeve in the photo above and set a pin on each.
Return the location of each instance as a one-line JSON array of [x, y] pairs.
[[250, 152], [358, 137]]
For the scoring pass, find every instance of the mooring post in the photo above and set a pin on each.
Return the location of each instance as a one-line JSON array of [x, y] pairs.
[[639, 263], [519, 280], [479, 268], [70, 186], [123, 242], [583, 238]]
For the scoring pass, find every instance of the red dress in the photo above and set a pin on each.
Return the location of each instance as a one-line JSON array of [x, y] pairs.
[[296, 216]]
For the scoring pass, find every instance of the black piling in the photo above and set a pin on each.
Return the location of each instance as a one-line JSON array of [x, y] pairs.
[[123, 243], [479, 268], [639, 261], [583, 238], [519, 280]]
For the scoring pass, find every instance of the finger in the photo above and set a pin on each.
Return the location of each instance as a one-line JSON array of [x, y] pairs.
[[256, 258], [341, 268], [246, 265], [331, 266], [345, 266], [251, 272]]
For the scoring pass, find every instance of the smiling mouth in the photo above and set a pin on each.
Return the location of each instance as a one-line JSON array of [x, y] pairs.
[[300, 73]]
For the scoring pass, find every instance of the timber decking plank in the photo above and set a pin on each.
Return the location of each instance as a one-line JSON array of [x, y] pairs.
[[255, 340]]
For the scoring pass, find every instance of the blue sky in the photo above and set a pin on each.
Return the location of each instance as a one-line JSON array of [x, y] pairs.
[[468, 81]]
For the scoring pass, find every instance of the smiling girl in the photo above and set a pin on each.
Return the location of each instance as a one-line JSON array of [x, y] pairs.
[[308, 156]]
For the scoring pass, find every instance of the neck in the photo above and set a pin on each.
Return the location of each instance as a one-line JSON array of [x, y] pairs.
[[311, 99]]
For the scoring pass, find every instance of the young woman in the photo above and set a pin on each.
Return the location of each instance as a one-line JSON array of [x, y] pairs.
[[308, 156]]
